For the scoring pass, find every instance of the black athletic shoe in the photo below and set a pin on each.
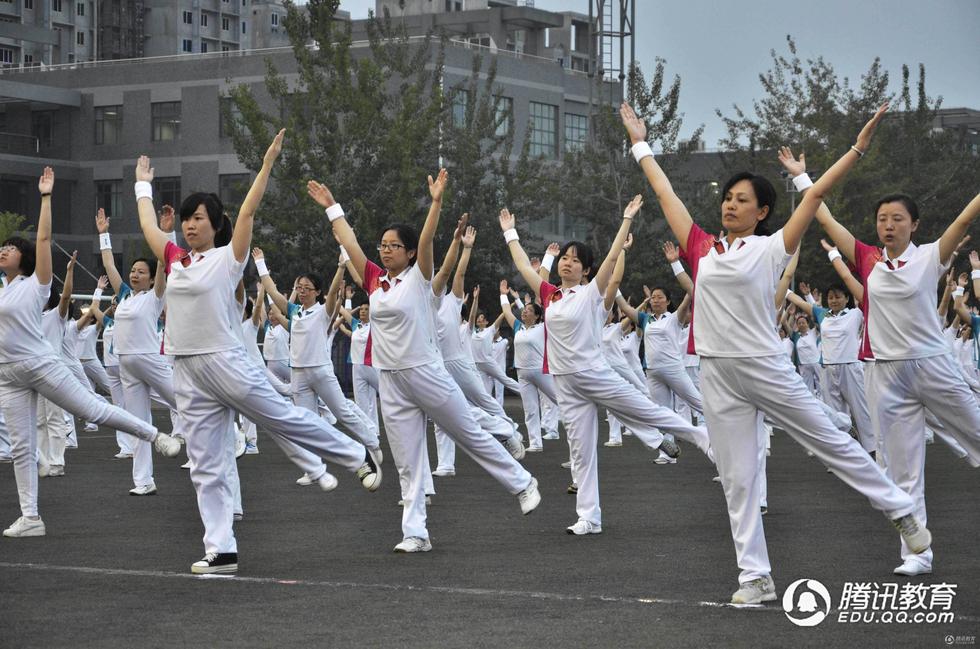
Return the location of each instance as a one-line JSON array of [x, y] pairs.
[[671, 449], [370, 472], [216, 563]]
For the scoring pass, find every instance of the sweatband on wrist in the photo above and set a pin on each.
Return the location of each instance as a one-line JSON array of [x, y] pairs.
[[802, 182], [619, 293], [344, 257], [335, 212], [834, 254], [97, 295], [677, 267], [348, 304], [511, 235], [143, 190], [518, 303], [105, 241], [504, 301], [857, 151], [809, 298], [975, 274], [261, 267], [171, 237], [957, 292], [641, 150], [548, 261]]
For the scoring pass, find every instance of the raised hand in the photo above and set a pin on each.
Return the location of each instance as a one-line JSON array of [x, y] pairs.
[[103, 283], [864, 137], [45, 183], [671, 252], [469, 238], [504, 289], [257, 253], [349, 292], [167, 218], [72, 262], [275, 148], [804, 288], [461, 226], [507, 220], [101, 221], [476, 292], [827, 246], [629, 241], [793, 166], [963, 280], [320, 193], [438, 186], [514, 294], [950, 280], [535, 263], [974, 260], [527, 298], [633, 208], [635, 127], [144, 172], [646, 291], [965, 240], [553, 249]]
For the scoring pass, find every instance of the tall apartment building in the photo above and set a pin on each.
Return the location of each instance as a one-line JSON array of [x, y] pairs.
[[46, 31]]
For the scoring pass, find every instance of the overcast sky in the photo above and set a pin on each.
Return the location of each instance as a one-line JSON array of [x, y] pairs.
[[719, 47]]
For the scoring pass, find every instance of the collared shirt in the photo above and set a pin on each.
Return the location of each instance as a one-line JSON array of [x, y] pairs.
[[276, 344], [481, 344], [20, 320], [840, 334], [309, 333], [452, 344], [403, 331], [136, 322], [360, 332], [528, 346], [662, 336], [573, 340], [87, 339], [807, 347]]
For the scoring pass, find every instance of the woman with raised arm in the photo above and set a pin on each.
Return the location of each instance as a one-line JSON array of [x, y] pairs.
[[311, 335], [88, 333], [363, 374], [743, 369], [913, 370], [31, 367], [275, 347], [414, 380], [213, 376], [142, 369], [573, 355]]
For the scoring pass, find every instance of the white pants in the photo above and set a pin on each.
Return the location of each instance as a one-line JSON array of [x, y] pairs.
[[665, 381], [308, 383], [4, 437], [407, 396], [52, 433], [579, 394], [900, 393], [248, 426], [468, 378], [843, 390], [811, 377], [736, 389], [142, 374], [496, 373], [21, 382], [123, 441], [96, 374], [681, 406], [209, 389], [280, 369], [536, 385], [365, 379]]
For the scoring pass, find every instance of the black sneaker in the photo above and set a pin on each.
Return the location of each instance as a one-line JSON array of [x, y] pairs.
[[670, 449], [572, 489], [370, 473], [216, 563]]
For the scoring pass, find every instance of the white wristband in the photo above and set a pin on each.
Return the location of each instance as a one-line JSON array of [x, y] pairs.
[[504, 300], [834, 254], [677, 267], [334, 212], [957, 292], [975, 274], [548, 261], [619, 293], [143, 190], [348, 304], [172, 237], [518, 303], [802, 182], [641, 150], [344, 257], [511, 235], [97, 295], [261, 267], [105, 241]]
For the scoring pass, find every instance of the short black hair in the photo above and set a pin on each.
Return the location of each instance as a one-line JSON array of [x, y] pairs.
[[765, 196], [315, 280], [904, 199], [409, 237], [666, 293], [839, 288], [149, 265], [28, 252], [584, 253], [216, 215]]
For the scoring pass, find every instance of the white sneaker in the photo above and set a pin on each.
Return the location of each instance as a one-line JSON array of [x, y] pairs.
[[240, 444], [534, 449], [186, 465], [566, 465], [238, 516], [305, 481], [912, 568], [583, 527], [144, 490], [413, 544], [166, 445], [56, 471], [25, 527], [717, 478], [327, 482], [91, 427], [613, 443], [553, 435], [122, 455], [428, 501], [755, 592], [515, 447], [444, 473], [915, 534], [251, 449], [530, 498], [663, 458]]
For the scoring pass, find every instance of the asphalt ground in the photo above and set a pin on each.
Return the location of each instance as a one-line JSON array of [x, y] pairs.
[[317, 569]]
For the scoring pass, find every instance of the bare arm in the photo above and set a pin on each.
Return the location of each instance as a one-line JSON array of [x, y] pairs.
[[167, 226], [673, 257], [606, 269], [258, 311], [469, 238], [523, 264], [331, 300], [108, 261], [683, 309], [241, 238], [949, 242], [474, 308], [785, 279], [342, 230], [442, 277], [852, 283], [278, 299], [617, 277], [800, 303], [428, 233], [155, 237], [68, 287], [42, 247], [506, 310]]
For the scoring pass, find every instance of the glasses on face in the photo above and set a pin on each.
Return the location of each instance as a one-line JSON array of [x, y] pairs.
[[8, 248], [300, 287], [391, 247]]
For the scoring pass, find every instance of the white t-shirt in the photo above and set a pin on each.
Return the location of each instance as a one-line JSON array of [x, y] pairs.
[[788, 347], [902, 321], [452, 344], [612, 338], [402, 319], [572, 329], [137, 315], [87, 338], [201, 301], [21, 302], [840, 335], [69, 344], [276, 344], [630, 344], [528, 346], [250, 337], [693, 360], [808, 348], [500, 352], [53, 330], [309, 336], [358, 341], [733, 304], [109, 358], [482, 344], [663, 336]]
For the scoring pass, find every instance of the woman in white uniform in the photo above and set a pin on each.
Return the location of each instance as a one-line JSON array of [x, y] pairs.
[[126, 443], [275, 345], [913, 372], [743, 369], [212, 374], [30, 367], [56, 428], [364, 376], [414, 381], [807, 342]]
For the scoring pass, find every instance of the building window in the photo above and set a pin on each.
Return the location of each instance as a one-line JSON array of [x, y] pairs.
[[80, 38], [228, 116], [28, 4], [576, 131], [56, 5], [232, 189], [13, 195], [6, 56], [505, 113], [544, 130], [166, 121], [188, 18], [80, 8], [108, 124], [225, 23], [166, 191], [460, 99], [29, 60], [225, 48], [204, 47], [243, 28], [108, 196], [275, 20], [204, 19], [187, 45], [42, 127]]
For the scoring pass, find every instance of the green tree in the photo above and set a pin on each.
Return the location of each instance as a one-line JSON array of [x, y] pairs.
[[11, 223]]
